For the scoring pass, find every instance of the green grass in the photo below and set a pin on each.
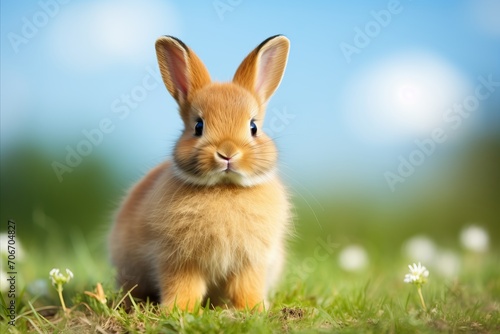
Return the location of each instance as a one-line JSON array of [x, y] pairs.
[[315, 294], [325, 300]]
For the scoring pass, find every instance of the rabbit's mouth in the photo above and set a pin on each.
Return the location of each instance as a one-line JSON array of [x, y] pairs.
[[230, 168], [227, 173], [231, 174]]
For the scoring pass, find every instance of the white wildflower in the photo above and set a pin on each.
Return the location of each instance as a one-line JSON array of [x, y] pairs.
[[353, 258], [474, 238], [418, 274], [59, 278], [420, 247], [4, 286], [4, 241]]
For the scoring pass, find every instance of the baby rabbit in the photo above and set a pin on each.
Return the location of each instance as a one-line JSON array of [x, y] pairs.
[[212, 222]]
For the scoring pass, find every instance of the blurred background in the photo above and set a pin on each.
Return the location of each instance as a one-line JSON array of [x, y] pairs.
[[387, 121]]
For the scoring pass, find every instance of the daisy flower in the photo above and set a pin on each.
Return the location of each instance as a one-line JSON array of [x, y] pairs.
[[418, 276], [58, 280]]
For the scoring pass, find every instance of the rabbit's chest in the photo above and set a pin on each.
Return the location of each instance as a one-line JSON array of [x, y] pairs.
[[221, 233]]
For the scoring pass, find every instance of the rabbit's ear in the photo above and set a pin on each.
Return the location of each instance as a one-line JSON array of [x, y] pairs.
[[182, 71], [263, 68]]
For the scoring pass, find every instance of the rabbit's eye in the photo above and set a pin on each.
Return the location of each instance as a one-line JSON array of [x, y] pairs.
[[253, 128], [198, 127]]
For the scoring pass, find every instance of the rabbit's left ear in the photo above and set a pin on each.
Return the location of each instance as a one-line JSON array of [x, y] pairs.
[[263, 68]]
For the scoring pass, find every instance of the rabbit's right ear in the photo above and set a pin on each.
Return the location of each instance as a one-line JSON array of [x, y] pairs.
[[182, 71]]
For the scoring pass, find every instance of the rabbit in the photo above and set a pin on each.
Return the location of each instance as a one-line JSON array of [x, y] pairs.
[[212, 223]]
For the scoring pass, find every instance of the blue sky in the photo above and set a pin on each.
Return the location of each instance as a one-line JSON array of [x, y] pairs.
[[67, 66]]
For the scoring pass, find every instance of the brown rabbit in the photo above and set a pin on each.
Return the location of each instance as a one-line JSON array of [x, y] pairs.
[[212, 222]]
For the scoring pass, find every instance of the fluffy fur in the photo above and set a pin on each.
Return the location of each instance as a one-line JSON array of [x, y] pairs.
[[212, 222]]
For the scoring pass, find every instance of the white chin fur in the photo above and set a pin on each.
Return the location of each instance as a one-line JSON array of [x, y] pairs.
[[215, 178]]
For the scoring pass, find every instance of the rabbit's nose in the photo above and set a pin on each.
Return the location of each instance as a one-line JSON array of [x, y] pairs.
[[227, 157], [227, 151], [223, 156]]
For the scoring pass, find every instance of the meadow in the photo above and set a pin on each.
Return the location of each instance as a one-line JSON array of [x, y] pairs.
[[343, 278]]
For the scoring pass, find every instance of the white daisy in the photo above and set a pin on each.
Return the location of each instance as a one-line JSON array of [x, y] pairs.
[[418, 274], [59, 278]]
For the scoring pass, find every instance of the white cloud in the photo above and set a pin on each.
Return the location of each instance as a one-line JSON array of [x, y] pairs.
[[402, 96], [92, 35]]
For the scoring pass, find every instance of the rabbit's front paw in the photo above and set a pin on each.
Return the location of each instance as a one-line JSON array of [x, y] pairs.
[[184, 289], [246, 289]]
